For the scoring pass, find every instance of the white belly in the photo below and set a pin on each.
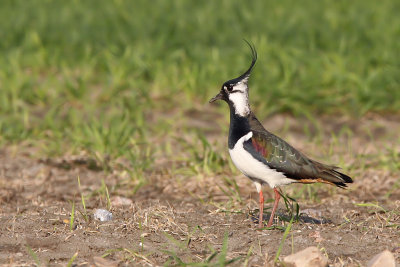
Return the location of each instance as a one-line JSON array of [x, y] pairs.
[[253, 168]]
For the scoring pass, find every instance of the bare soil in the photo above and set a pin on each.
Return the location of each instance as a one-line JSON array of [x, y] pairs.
[[190, 217]]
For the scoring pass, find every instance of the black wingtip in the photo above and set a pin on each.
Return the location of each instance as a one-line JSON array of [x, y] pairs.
[[346, 179]]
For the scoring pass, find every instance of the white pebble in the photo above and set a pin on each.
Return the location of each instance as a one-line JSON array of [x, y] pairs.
[[102, 215]]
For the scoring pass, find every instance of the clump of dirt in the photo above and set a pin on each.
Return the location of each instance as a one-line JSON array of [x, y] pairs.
[[189, 221]]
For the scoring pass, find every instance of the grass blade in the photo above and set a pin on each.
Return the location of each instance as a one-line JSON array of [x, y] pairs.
[[72, 218], [285, 234], [33, 255], [84, 214], [72, 259]]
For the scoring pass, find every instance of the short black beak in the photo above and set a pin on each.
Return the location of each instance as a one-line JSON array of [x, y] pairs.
[[215, 98]]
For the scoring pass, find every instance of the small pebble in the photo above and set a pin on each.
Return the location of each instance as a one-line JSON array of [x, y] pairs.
[[312, 213], [102, 215], [144, 234], [102, 262], [310, 256], [385, 258], [120, 201]]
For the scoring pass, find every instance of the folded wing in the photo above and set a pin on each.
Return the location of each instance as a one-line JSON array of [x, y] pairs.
[[282, 157]]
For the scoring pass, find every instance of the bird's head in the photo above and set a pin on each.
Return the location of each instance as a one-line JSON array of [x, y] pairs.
[[236, 91]]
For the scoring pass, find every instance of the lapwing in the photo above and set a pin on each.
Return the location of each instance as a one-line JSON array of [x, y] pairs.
[[262, 156]]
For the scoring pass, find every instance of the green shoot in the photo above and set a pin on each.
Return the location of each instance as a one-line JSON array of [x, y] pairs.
[[373, 205], [72, 259], [291, 206], [219, 257], [84, 214], [72, 218], [224, 251], [249, 253], [105, 188], [285, 234], [33, 255]]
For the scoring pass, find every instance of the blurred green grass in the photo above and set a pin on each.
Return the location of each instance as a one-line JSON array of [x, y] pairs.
[[89, 74]]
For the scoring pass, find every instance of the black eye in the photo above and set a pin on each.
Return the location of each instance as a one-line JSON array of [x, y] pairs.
[[230, 87]]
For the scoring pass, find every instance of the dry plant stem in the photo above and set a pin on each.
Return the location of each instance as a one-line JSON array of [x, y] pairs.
[[260, 219], [277, 197]]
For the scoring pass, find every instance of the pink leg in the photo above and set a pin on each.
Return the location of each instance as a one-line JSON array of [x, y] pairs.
[[277, 197], [260, 219]]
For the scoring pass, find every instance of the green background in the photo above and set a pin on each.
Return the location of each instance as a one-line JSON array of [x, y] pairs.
[[89, 74]]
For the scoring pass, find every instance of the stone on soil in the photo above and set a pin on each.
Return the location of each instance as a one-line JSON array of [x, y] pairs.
[[120, 201], [384, 258], [309, 257], [102, 262], [102, 215]]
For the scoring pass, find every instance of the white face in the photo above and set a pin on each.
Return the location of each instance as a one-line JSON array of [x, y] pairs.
[[239, 96]]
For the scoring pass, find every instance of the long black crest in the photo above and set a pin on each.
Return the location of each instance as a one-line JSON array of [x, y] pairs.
[[246, 75], [254, 57]]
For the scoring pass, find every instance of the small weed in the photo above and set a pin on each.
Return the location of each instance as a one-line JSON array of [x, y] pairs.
[[220, 258], [33, 255], [395, 187], [396, 226], [307, 191], [104, 191], [134, 255], [371, 205], [285, 234], [71, 261], [231, 190], [292, 207], [177, 243], [249, 253], [72, 217], [141, 236], [141, 158], [204, 160], [130, 255], [84, 214]]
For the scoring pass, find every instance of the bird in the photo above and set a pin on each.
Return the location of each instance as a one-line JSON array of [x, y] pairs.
[[262, 156]]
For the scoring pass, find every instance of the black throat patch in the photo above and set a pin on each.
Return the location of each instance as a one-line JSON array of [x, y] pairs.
[[239, 126]]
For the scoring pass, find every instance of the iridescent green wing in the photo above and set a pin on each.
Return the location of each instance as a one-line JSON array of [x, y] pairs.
[[281, 156]]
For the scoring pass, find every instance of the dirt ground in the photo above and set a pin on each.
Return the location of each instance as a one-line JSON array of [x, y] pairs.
[[170, 219]]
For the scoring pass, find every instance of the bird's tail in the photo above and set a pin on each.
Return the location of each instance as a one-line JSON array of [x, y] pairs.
[[331, 175]]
